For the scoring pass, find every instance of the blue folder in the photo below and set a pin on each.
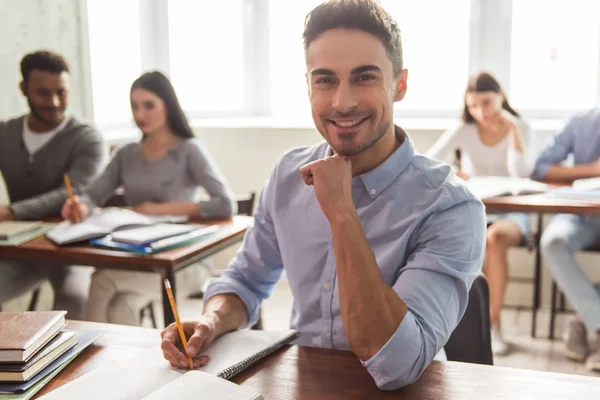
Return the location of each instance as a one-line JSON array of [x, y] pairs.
[[83, 338], [157, 246]]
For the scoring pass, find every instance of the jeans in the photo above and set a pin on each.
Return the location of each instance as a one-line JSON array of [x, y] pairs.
[[566, 235]]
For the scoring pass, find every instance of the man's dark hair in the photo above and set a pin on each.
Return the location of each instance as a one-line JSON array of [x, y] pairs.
[[44, 61], [364, 15]]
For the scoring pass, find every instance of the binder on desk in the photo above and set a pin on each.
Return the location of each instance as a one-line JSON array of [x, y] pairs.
[[157, 246]]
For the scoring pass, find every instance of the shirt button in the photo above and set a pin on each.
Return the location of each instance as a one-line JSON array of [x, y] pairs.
[[327, 286], [326, 329], [373, 191]]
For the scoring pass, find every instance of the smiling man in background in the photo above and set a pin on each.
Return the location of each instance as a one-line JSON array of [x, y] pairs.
[[36, 150]]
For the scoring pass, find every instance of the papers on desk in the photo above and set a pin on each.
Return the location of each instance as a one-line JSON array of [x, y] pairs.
[[104, 222], [153, 380], [586, 184], [571, 193], [16, 240], [484, 187]]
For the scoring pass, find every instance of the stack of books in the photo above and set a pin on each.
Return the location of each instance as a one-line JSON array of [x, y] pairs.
[[155, 238], [34, 347], [14, 233]]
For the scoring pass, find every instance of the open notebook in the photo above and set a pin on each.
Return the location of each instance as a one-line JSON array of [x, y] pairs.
[[104, 222], [485, 187], [150, 378], [150, 383]]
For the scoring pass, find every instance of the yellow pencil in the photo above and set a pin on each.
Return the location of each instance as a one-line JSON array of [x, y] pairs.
[[177, 320], [70, 193]]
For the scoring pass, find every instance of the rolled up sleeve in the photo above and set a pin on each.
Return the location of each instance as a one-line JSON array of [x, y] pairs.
[[434, 284]]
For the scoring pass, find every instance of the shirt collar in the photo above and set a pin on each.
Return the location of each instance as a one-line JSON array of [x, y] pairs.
[[377, 180]]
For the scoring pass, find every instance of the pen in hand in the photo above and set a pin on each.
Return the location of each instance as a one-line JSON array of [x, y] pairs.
[[71, 197], [177, 320]]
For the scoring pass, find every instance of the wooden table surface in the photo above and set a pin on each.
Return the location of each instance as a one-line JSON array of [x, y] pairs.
[[297, 372], [541, 204], [165, 263], [82, 254]]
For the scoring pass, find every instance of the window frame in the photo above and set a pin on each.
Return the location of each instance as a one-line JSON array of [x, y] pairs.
[[489, 49]]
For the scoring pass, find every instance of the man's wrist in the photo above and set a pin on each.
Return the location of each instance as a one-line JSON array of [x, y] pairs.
[[342, 214]]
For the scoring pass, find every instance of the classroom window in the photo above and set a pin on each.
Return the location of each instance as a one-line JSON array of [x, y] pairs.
[[246, 57], [554, 57], [435, 39], [114, 57], [289, 95], [206, 54]]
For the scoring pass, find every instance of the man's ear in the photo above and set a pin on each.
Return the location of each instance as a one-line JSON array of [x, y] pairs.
[[401, 85], [23, 87]]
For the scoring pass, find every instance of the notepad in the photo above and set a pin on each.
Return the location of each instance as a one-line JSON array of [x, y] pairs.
[[484, 187], [157, 246], [103, 223], [149, 234]]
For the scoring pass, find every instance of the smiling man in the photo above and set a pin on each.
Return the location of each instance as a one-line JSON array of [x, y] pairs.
[[36, 150], [380, 245]]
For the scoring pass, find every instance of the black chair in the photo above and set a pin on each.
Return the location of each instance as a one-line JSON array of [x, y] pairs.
[[470, 341]]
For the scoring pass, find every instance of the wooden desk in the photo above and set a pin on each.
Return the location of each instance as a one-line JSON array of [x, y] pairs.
[[309, 373], [541, 204], [166, 263]]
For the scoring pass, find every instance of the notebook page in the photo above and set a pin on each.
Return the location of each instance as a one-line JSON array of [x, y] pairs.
[[117, 382], [200, 385]]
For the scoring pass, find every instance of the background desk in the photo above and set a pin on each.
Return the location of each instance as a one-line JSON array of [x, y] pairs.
[[540, 204], [166, 263], [308, 373]]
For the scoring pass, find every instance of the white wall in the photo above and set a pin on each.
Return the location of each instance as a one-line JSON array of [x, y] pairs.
[[29, 25]]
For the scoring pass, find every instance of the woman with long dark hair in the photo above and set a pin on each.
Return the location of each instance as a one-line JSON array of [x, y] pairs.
[[160, 175], [492, 140]]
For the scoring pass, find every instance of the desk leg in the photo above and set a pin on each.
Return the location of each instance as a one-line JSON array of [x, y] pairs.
[[167, 312], [537, 277]]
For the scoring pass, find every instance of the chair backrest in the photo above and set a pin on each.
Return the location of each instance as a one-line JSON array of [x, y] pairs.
[[470, 342], [246, 203]]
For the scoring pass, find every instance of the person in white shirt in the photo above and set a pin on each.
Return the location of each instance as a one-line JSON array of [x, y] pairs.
[[492, 140]]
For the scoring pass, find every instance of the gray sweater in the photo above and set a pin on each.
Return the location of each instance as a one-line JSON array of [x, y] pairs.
[[176, 177], [35, 184]]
